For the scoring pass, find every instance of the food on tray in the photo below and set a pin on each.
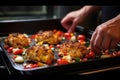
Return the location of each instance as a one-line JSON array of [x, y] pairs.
[[74, 49], [71, 51], [39, 53], [17, 40], [49, 36], [51, 47], [18, 59]]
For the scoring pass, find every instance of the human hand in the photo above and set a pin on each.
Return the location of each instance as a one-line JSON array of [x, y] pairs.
[[72, 19], [106, 35]]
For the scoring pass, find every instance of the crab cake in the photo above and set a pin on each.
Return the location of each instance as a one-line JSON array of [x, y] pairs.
[[17, 40], [74, 49], [48, 37], [39, 53]]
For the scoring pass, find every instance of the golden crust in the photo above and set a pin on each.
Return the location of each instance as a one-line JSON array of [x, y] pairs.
[[49, 37], [74, 49], [39, 53], [17, 40]]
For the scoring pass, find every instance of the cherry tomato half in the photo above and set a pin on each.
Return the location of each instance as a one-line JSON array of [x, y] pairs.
[[81, 37], [10, 49], [59, 33], [49, 62], [19, 51], [67, 34], [6, 47], [90, 55], [61, 61], [30, 66]]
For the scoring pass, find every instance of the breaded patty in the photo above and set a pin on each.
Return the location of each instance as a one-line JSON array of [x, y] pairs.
[[17, 40], [74, 49], [48, 37], [39, 53]]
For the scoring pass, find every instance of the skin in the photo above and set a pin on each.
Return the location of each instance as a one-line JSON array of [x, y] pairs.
[[72, 19], [105, 36]]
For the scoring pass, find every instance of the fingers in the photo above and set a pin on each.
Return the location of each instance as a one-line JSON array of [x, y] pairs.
[[96, 41], [66, 23], [102, 41], [92, 40], [70, 23], [72, 28], [113, 44], [106, 42]]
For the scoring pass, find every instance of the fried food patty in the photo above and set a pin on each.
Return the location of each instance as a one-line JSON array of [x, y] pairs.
[[17, 40], [39, 53], [48, 37], [74, 49]]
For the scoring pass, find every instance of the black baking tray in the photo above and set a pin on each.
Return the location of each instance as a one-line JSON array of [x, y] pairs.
[[31, 26]]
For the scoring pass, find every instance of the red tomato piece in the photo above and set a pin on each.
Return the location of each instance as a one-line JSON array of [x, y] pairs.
[[59, 33], [14, 57], [49, 62], [65, 54], [61, 61], [30, 66], [58, 46], [51, 46], [81, 37], [19, 51], [33, 36], [34, 65], [91, 54], [67, 35], [27, 66], [68, 38], [10, 49], [6, 47]]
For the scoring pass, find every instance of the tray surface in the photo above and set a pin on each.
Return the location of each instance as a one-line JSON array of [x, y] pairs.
[[52, 24], [20, 67]]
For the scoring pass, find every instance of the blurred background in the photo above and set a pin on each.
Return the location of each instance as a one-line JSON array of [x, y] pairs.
[[44, 12]]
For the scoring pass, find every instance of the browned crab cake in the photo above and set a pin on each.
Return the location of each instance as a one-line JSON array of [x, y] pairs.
[[39, 53], [49, 37], [17, 40], [74, 49]]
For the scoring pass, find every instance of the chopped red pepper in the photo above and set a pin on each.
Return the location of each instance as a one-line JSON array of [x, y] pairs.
[[61, 61], [19, 51], [31, 66], [59, 33], [67, 35], [10, 49], [49, 62], [6, 47], [91, 54], [58, 45], [81, 36]]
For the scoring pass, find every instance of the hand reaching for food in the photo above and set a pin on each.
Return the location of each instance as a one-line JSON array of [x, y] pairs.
[[106, 35]]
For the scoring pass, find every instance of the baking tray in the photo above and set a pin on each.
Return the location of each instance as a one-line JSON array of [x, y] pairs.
[[31, 26]]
